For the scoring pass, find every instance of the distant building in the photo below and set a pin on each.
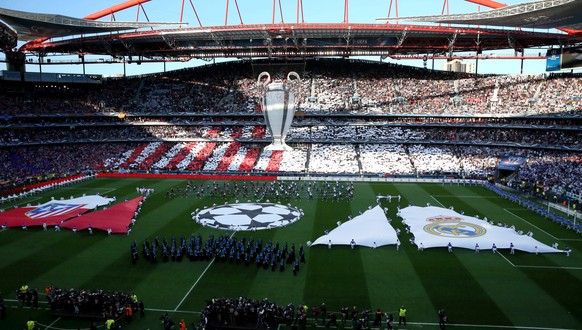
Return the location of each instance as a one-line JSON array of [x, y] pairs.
[[457, 65]]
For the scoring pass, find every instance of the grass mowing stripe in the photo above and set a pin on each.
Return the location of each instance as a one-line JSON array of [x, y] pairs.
[[441, 204], [440, 272], [335, 276], [564, 288], [30, 267]]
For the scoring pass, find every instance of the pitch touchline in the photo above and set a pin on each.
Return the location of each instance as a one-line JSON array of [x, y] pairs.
[[472, 196], [199, 278], [550, 267], [77, 188], [517, 216], [417, 323], [170, 311], [471, 326]]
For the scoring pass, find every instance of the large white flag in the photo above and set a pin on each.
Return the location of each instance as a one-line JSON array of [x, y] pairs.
[[368, 229], [437, 227]]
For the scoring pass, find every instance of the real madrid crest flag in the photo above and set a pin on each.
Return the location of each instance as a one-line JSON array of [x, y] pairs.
[[437, 227]]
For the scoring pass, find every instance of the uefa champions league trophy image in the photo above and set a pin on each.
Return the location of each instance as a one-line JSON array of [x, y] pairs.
[[278, 101]]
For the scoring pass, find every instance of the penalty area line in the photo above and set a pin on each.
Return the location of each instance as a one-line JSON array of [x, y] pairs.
[[539, 267], [531, 224], [511, 263]]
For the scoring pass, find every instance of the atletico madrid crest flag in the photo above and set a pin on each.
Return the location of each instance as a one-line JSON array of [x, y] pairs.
[[52, 212]]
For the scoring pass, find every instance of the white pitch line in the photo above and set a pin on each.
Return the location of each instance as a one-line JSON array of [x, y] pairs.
[[170, 311], [193, 285], [484, 326], [77, 188], [50, 325], [550, 267], [108, 191], [470, 326], [517, 216], [511, 263], [28, 201], [471, 196], [540, 267], [199, 278], [437, 201]]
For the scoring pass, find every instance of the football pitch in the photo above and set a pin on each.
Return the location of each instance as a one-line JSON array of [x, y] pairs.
[[479, 290]]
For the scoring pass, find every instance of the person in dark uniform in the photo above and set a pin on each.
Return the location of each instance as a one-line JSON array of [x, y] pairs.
[[332, 320], [377, 317], [442, 313], [389, 322]]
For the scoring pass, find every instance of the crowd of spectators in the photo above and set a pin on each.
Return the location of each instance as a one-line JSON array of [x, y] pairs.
[[297, 133], [333, 158], [327, 87], [208, 119], [559, 170], [90, 303], [247, 313]]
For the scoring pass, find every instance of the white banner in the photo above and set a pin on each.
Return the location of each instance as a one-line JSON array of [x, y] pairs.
[[437, 227], [368, 229]]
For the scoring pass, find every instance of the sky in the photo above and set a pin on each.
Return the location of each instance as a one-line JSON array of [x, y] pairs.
[[212, 13]]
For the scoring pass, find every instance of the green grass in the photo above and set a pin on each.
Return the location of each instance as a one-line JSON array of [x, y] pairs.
[[522, 290]]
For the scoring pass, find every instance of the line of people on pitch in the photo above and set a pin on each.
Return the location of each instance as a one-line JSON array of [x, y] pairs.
[[223, 248]]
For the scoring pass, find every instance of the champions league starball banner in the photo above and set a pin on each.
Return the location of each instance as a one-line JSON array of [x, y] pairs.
[[564, 59], [437, 227], [553, 59]]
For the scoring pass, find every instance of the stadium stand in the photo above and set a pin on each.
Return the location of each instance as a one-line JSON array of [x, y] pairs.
[[354, 117]]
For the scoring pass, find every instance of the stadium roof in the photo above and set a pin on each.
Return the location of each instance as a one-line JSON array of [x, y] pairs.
[[272, 40], [546, 14], [32, 26], [8, 37], [301, 40]]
